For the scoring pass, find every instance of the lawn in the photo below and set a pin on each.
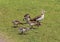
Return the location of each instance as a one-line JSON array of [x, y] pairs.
[[49, 31]]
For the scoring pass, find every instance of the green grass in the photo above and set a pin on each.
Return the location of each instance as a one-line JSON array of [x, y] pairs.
[[49, 31]]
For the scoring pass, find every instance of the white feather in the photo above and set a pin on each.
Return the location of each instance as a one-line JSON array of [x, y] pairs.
[[42, 17]]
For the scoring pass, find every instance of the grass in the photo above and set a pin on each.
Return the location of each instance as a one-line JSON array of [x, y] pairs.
[[49, 31]]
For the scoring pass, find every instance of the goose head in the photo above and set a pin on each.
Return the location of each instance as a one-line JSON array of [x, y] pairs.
[[42, 12], [27, 17]]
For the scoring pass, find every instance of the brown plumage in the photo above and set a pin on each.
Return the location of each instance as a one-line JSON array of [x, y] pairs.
[[31, 22], [37, 18], [16, 23], [23, 30], [34, 19]]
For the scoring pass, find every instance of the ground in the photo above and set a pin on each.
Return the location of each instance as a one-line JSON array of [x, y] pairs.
[[49, 31]]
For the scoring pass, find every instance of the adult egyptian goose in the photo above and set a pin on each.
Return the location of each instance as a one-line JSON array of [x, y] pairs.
[[30, 22], [39, 18]]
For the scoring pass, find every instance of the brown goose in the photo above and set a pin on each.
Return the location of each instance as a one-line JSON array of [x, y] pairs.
[[37, 18], [23, 30], [40, 17], [31, 23], [16, 23], [26, 16]]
